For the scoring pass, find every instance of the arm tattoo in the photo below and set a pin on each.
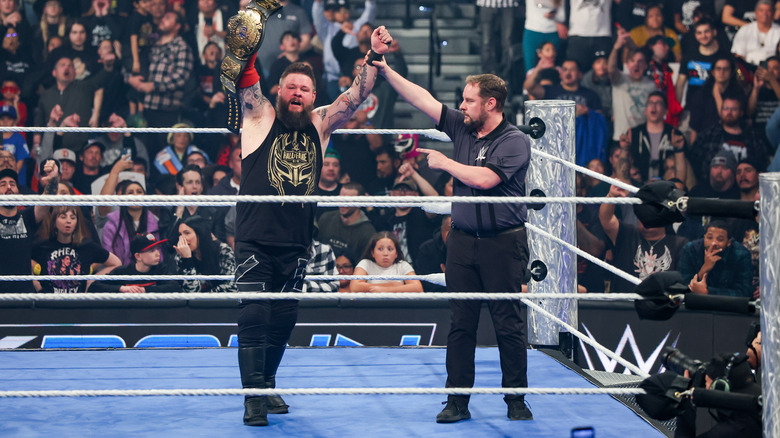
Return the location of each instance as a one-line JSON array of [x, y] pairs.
[[52, 186], [252, 97]]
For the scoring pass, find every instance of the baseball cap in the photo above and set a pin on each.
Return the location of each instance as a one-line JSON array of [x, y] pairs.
[[600, 54], [92, 142], [64, 154], [407, 183], [144, 242], [724, 158], [9, 172], [335, 4], [8, 110]]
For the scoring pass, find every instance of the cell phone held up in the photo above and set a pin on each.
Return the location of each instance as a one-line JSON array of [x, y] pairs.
[[127, 154]]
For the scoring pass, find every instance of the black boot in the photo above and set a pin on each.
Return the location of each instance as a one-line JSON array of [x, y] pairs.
[[457, 409], [251, 363], [273, 357]]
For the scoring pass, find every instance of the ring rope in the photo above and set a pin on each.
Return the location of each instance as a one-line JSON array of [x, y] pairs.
[[433, 134], [586, 171], [228, 200], [411, 296], [433, 278], [617, 271], [314, 391], [573, 330]]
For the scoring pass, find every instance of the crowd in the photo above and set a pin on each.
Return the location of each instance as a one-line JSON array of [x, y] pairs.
[[680, 90]]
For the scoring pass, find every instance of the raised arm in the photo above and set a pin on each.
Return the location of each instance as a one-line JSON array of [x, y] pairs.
[[329, 118], [416, 95]]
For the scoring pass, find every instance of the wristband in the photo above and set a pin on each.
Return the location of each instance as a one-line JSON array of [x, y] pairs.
[[679, 151], [373, 56]]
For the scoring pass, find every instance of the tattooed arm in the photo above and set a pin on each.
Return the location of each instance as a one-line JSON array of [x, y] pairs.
[[258, 116], [50, 181], [329, 118]]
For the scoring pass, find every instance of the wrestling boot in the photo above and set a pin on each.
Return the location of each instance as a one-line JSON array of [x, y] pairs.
[[273, 357], [457, 409], [251, 363], [244, 35], [517, 409]]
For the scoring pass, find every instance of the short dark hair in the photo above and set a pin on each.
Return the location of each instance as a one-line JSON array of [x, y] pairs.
[[704, 21], [185, 169], [660, 94], [722, 224], [292, 33], [354, 185], [299, 68], [490, 85]]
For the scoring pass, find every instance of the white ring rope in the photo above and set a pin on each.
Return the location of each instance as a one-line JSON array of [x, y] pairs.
[[314, 391], [617, 271], [433, 134], [586, 171], [228, 200], [166, 296], [573, 330], [432, 278]]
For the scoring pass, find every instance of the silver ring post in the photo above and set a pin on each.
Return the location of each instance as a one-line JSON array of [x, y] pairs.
[[769, 228], [554, 179]]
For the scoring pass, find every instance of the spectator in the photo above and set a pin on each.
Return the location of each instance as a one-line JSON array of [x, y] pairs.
[[329, 176], [197, 158], [432, 256], [53, 23], [67, 160], [68, 97], [496, 23], [652, 142], [190, 182], [327, 29], [598, 80], [383, 256], [146, 261], [116, 142], [13, 141], [696, 66], [747, 179], [657, 50], [64, 249], [590, 31], [171, 159], [230, 186], [722, 181], [717, 264], [637, 250], [764, 98], [349, 228], [547, 62], [322, 261], [687, 13], [198, 253], [730, 134], [101, 23], [387, 164], [212, 98], [629, 90], [757, 41], [18, 227], [654, 25], [290, 44], [124, 223], [137, 45], [84, 56], [345, 264], [170, 64], [568, 89], [211, 27], [544, 22], [706, 104], [15, 61], [213, 174], [11, 17], [291, 18], [411, 226], [89, 168], [111, 79], [11, 96], [357, 151]]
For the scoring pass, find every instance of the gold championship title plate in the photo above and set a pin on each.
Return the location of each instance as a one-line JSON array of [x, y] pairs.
[[244, 35]]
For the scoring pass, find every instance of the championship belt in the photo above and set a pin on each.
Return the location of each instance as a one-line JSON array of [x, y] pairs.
[[244, 35]]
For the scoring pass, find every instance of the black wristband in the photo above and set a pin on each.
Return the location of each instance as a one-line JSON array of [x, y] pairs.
[[679, 151], [373, 56]]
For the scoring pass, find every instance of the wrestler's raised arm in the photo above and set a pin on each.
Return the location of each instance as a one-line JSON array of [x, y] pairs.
[[331, 117], [416, 95]]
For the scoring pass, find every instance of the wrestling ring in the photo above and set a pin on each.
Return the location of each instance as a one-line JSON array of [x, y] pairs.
[[392, 391]]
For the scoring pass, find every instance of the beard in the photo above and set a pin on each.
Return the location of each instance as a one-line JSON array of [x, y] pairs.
[[294, 120], [477, 123]]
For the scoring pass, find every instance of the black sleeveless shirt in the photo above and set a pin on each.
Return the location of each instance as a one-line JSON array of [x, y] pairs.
[[287, 163]]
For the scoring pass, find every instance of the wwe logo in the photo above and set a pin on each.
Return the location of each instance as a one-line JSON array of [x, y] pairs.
[[609, 365]]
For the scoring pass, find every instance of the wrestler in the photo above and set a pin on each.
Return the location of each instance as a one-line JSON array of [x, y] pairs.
[[282, 150]]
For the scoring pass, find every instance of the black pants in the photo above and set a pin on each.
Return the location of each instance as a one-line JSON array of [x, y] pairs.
[[494, 264], [262, 268]]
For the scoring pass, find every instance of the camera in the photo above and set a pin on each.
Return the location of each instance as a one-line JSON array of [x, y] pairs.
[[674, 360]]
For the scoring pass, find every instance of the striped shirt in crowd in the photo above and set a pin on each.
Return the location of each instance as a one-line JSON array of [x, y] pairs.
[[170, 65]]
